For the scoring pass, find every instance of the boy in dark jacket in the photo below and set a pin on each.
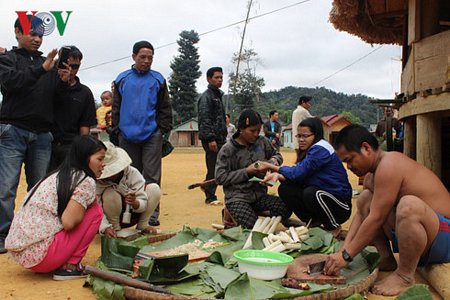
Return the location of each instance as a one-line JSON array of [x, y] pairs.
[[212, 127]]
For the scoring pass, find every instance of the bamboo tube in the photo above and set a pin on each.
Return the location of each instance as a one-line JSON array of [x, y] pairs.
[[301, 230], [274, 225], [303, 237], [248, 242], [294, 234], [264, 224], [278, 248], [281, 238], [273, 245], [269, 225], [266, 242], [289, 239], [293, 246]]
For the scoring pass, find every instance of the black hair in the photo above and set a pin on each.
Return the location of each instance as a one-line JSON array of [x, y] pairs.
[[36, 24], [315, 126], [353, 136], [228, 115], [74, 169], [272, 112], [106, 92], [142, 44], [248, 118], [75, 53], [211, 71], [304, 99]]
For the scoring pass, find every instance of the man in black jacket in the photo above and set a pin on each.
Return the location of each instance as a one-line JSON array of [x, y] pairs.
[[28, 83], [212, 128], [74, 112]]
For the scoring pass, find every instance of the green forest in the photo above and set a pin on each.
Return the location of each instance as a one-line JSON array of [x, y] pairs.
[[325, 102]]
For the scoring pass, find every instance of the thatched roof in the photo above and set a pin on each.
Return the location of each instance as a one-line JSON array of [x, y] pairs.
[[374, 21]]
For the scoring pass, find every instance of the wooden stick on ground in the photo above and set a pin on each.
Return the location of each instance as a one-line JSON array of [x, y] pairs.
[[138, 294], [201, 184], [125, 280]]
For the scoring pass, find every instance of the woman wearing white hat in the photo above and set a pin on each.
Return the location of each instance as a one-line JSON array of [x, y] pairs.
[[126, 199]]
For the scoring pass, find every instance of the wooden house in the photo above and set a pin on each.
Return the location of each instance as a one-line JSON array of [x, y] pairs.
[[422, 28], [287, 136], [332, 125], [185, 134]]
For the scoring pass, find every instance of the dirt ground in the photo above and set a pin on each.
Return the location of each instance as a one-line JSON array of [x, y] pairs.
[[179, 206]]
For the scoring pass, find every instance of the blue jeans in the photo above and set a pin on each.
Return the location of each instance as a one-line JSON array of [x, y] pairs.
[[19, 146]]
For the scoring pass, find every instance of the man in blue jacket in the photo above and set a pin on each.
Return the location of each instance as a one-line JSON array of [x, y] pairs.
[[28, 83], [142, 113]]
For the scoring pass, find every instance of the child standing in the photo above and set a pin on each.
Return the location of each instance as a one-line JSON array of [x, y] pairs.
[[105, 108], [60, 215]]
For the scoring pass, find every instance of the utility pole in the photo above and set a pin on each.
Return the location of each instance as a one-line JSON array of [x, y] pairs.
[[250, 2]]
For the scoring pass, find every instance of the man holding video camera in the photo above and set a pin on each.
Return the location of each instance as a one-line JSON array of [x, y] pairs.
[[28, 83]]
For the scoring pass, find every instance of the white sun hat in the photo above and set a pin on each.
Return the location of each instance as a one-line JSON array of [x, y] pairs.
[[116, 160]]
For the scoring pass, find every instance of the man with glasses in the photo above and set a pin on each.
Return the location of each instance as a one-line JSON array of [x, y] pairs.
[[28, 83], [74, 111]]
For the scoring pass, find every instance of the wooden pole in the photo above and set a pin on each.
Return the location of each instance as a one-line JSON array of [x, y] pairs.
[[131, 293], [125, 280], [429, 142], [409, 140]]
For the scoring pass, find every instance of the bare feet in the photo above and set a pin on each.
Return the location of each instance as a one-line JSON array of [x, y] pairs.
[[392, 285]]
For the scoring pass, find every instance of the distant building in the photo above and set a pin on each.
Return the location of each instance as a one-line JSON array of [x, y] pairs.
[[332, 124], [185, 134], [287, 136]]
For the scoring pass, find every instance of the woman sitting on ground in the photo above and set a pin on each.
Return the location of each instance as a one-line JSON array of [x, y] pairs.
[[235, 165], [317, 187], [126, 199], [60, 215]]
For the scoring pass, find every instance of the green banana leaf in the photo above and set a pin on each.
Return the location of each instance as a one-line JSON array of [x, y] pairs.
[[104, 289], [416, 292], [218, 277], [111, 256]]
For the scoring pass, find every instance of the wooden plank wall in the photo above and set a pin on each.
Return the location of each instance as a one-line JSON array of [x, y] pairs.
[[427, 67]]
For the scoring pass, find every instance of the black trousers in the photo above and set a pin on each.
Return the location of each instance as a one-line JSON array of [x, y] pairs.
[[310, 202], [210, 158]]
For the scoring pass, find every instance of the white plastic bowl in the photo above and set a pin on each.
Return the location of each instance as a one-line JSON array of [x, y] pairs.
[[262, 264]]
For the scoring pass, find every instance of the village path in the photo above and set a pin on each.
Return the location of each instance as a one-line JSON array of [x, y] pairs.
[[179, 206]]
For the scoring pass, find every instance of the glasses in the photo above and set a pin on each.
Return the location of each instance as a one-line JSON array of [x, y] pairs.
[[74, 66], [304, 136]]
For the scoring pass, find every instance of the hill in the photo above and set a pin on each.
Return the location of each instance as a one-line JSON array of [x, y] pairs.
[[325, 102]]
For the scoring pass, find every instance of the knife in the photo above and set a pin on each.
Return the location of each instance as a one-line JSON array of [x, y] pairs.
[[316, 268]]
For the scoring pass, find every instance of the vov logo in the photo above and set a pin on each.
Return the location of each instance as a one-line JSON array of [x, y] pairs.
[[50, 20]]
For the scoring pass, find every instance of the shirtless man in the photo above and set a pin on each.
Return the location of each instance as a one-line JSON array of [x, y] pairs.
[[402, 201]]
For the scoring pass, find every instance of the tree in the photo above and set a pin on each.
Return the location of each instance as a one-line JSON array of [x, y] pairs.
[[246, 86], [185, 72], [351, 117]]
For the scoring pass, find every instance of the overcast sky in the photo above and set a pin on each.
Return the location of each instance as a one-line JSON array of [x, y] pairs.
[[298, 46]]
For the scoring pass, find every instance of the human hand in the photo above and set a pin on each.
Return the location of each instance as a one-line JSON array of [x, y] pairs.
[[274, 177], [64, 74], [335, 262], [264, 166], [130, 199], [110, 232], [213, 146], [50, 60]]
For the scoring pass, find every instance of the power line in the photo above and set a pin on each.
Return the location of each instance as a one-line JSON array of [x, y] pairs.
[[204, 33], [346, 67]]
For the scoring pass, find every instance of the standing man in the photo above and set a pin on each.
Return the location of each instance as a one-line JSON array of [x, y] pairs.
[[74, 112], [402, 202], [28, 83], [212, 128], [298, 115], [272, 130], [142, 113]]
